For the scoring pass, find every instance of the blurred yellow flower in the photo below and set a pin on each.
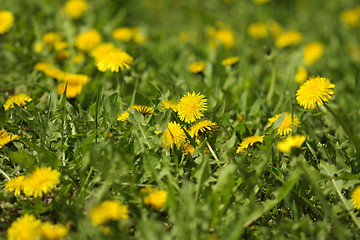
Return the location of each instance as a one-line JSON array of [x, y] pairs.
[[190, 107], [248, 142], [226, 37], [6, 21], [123, 117], [286, 126], [41, 181], [73, 83], [315, 91], [26, 227], [188, 149], [75, 8], [16, 184], [197, 67], [313, 51], [101, 50], [156, 199], [51, 231], [51, 38], [355, 198], [350, 17], [257, 30], [38, 47], [230, 61], [274, 28], [301, 75], [114, 61], [288, 39], [108, 210], [79, 57], [123, 34], [290, 142], [168, 104], [20, 100], [88, 40], [174, 134], [60, 45]]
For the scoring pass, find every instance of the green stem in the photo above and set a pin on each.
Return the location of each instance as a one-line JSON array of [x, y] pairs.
[[4, 174], [212, 152], [346, 129]]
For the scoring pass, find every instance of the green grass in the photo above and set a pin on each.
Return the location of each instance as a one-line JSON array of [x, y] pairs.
[[263, 195]]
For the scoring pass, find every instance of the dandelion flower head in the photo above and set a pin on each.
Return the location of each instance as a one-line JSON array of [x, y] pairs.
[[75, 8], [26, 227], [286, 126], [174, 135], [257, 30], [87, 41], [355, 198], [20, 100], [197, 67], [351, 17], [248, 142], [16, 184], [6, 21], [313, 51], [108, 210], [53, 231], [114, 61], [51, 38], [288, 39], [315, 91], [202, 127], [230, 61], [168, 104], [290, 142], [123, 34], [274, 28], [188, 149], [190, 107], [99, 51], [226, 37], [73, 83], [144, 110], [301, 75], [5, 138], [123, 117], [41, 181], [156, 199]]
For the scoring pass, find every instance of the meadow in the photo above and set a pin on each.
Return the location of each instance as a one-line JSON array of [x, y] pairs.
[[174, 119]]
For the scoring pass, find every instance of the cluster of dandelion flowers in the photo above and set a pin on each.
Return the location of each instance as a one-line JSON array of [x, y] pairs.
[[41, 181], [25, 227], [20, 100], [288, 39], [190, 107], [6, 21], [202, 128], [257, 30], [87, 41], [114, 61], [174, 135], [156, 199], [75, 8], [291, 142], [355, 198], [286, 126], [197, 67], [108, 210], [315, 91], [230, 61], [248, 142]]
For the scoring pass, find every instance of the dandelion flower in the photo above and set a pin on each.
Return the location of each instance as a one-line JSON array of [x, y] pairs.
[[274, 28], [123, 34], [41, 181], [20, 100], [79, 57], [350, 17], [168, 104], [230, 61], [290, 142], [188, 149], [108, 210], [53, 231], [123, 117], [138, 36], [26, 227], [5, 138], [101, 50], [73, 83], [174, 134], [144, 110], [202, 127], [114, 61], [355, 198], [226, 37], [197, 67], [156, 199], [286, 126], [257, 30], [15, 184], [249, 142], [190, 107], [315, 91], [6, 21], [75, 8], [301, 75], [313, 51], [87, 41], [288, 39], [51, 38]]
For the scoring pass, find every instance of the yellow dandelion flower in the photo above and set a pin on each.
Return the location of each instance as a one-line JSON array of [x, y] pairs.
[[188, 149], [62, 55], [20, 100], [355, 198], [38, 47], [138, 35], [226, 37], [73, 83], [288, 39], [190, 107], [123, 34], [144, 110], [248, 142], [290, 142], [87, 41], [174, 134], [79, 57], [197, 67], [61, 45], [51, 38], [101, 50], [230, 61], [203, 127], [53, 231], [257, 30], [350, 17], [75, 8], [156, 199], [274, 28], [259, 2], [6, 21], [26, 227], [168, 104], [15, 184], [123, 117], [5, 138], [114, 61], [41, 181], [286, 126], [301, 75], [313, 51], [108, 210], [42, 66], [315, 91]]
